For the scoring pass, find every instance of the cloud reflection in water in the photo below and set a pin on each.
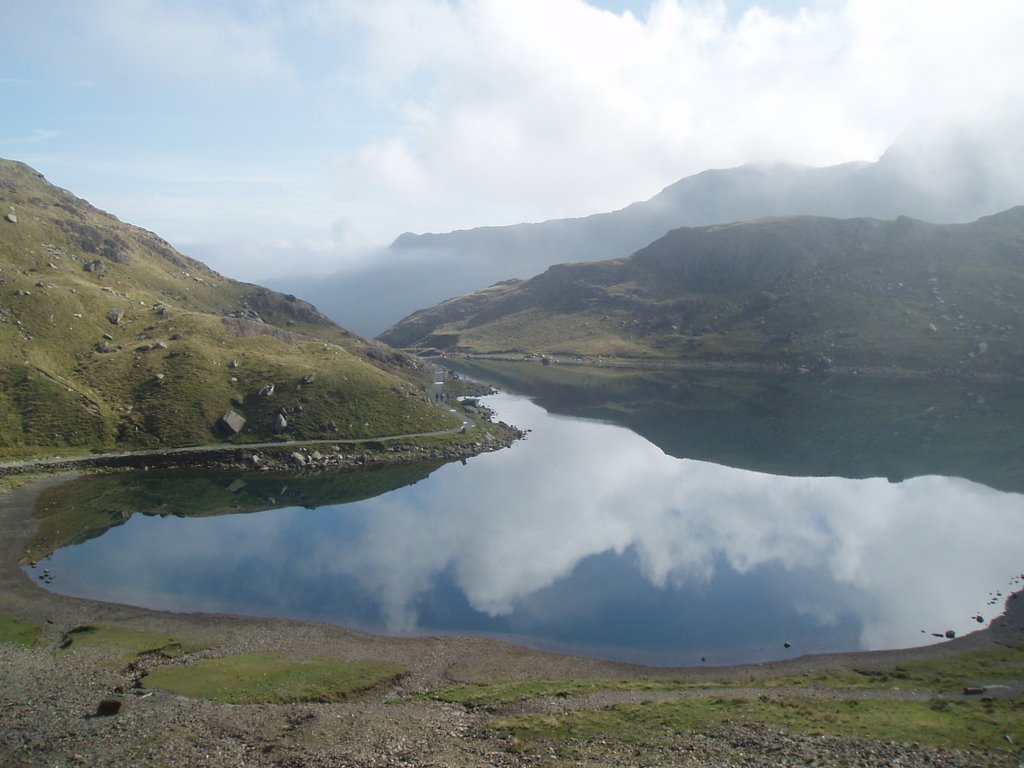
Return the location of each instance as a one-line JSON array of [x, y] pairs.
[[585, 524]]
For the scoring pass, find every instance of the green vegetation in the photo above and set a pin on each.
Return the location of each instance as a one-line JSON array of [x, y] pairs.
[[273, 678], [506, 692], [940, 675], [855, 294], [808, 703], [125, 644], [654, 725], [18, 632], [110, 339]]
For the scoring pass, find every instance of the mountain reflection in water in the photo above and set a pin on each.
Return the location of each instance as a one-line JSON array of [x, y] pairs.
[[588, 538]]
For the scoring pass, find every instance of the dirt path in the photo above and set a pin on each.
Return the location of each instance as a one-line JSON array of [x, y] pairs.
[[48, 696]]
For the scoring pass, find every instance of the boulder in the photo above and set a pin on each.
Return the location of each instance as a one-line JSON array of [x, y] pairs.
[[109, 706], [115, 316], [267, 390], [11, 218], [297, 459], [232, 423], [280, 423], [309, 378], [95, 265]]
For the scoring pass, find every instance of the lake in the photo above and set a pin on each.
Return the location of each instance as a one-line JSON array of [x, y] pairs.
[[592, 539]]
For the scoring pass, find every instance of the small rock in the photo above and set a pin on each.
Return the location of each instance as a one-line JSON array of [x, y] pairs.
[[115, 316], [11, 218], [267, 390], [109, 706]]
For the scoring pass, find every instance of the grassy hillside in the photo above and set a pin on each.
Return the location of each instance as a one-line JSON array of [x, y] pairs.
[[109, 338], [796, 291]]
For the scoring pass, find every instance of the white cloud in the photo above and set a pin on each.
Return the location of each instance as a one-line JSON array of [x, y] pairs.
[[430, 115], [542, 109]]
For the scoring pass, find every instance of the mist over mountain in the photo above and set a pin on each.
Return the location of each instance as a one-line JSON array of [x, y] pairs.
[[941, 174]]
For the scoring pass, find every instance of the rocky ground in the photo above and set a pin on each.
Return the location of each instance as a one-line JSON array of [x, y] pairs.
[[49, 698]]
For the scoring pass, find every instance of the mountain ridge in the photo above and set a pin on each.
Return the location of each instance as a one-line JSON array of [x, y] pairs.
[[857, 292], [934, 173]]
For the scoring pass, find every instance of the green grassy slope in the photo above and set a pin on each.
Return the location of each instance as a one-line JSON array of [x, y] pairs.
[[109, 338], [797, 291]]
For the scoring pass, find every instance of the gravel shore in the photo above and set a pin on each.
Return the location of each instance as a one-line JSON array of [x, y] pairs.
[[49, 697]]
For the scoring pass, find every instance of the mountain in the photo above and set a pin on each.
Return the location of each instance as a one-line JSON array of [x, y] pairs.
[[792, 291], [109, 338], [938, 173]]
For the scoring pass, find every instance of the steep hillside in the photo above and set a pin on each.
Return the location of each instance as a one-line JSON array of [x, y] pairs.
[[800, 291], [111, 338]]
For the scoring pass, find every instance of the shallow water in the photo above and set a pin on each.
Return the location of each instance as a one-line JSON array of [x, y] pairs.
[[585, 538]]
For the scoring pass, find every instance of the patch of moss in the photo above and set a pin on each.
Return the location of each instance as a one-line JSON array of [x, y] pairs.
[[253, 678], [18, 632], [126, 644], [652, 725]]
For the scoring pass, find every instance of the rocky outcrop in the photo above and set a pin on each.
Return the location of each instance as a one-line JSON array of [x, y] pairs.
[[231, 423]]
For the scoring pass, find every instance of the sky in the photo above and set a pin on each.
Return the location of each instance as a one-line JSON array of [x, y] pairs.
[[269, 137]]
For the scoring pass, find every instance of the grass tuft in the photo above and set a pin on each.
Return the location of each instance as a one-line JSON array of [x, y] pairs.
[[253, 678], [18, 632], [125, 644]]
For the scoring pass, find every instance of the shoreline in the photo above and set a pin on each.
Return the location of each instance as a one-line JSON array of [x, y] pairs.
[[729, 366], [290, 456], [49, 693], [18, 590]]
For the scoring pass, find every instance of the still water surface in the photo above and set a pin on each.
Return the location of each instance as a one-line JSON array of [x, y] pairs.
[[585, 538]]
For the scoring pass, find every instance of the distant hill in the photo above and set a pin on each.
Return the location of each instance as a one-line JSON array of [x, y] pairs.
[[795, 291], [109, 338], [938, 174]]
